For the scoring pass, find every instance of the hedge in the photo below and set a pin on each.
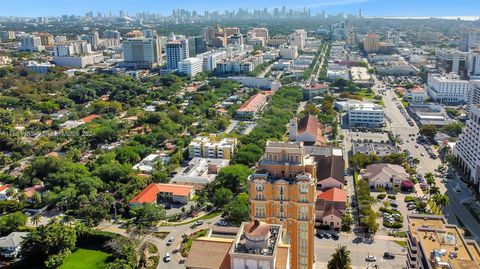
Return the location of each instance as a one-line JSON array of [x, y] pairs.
[[409, 198], [393, 197], [381, 196], [393, 225], [388, 210]]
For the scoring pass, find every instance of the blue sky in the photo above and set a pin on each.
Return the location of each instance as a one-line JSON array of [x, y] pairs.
[[35, 8]]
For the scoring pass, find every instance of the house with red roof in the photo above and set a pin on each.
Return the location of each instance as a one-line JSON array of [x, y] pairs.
[[416, 94], [307, 130], [252, 106], [330, 207], [157, 192], [4, 193]]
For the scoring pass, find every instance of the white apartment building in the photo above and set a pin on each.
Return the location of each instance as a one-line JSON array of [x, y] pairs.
[[210, 59], [366, 115], [31, 43], [451, 61], [142, 52], [190, 66], [36, 67], [209, 147], [72, 48], [288, 52], [448, 89], [176, 51], [467, 148]]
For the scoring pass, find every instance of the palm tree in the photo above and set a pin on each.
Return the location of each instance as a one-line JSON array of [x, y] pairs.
[[430, 179], [434, 190], [441, 201], [340, 259], [35, 219]]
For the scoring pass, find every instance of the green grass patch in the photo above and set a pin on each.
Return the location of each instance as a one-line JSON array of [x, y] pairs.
[[161, 235], [210, 215], [85, 259], [401, 243], [187, 244], [152, 248], [152, 262]]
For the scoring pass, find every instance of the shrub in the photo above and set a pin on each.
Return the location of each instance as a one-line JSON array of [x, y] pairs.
[[381, 196], [409, 198], [393, 197], [388, 210]]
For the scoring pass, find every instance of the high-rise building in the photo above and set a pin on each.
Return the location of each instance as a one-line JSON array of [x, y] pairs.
[[31, 43], [142, 52], [371, 43], [150, 33], [474, 64], [176, 51], [60, 39], [470, 40], [7, 35], [111, 34], [288, 52], [467, 148], [46, 39], [433, 243], [451, 61], [236, 39], [297, 38], [282, 191]]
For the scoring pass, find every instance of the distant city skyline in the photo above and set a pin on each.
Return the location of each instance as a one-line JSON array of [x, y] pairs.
[[408, 8]]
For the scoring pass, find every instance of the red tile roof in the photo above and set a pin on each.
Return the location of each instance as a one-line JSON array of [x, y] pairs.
[[4, 187], [149, 194], [254, 103], [315, 87], [309, 124], [29, 192], [333, 194], [333, 211], [89, 118]]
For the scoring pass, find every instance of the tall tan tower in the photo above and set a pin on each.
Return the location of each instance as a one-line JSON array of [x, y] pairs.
[[282, 191]]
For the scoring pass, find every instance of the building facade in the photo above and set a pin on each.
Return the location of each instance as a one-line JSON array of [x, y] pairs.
[[190, 66], [209, 147], [448, 89], [366, 115], [282, 191], [467, 148], [176, 51], [142, 52]]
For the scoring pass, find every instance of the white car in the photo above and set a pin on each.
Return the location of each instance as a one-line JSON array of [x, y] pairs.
[[170, 241], [371, 258], [167, 257]]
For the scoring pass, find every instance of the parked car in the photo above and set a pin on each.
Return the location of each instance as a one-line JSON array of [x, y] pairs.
[[371, 258], [167, 257], [170, 241], [388, 255], [327, 235], [335, 236]]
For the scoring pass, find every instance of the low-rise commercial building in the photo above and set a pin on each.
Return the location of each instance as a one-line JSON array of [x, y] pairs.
[[426, 114], [158, 192], [256, 245], [448, 89], [366, 115], [200, 172], [416, 95], [259, 83], [311, 91], [383, 175], [252, 106], [330, 207], [432, 243]]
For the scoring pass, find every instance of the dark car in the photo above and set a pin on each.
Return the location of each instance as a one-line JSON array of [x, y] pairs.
[[320, 235], [388, 255], [335, 236], [327, 235]]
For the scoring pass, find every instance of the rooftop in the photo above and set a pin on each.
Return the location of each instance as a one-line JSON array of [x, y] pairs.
[[443, 244], [149, 194], [333, 194], [207, 252]]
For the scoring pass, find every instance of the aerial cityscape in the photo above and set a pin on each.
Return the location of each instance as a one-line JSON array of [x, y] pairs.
[[255, 135]]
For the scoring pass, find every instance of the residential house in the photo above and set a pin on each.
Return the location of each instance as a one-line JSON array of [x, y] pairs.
[[4, 193], [10, 245], [383, 175], [147, 164], [200, 172]]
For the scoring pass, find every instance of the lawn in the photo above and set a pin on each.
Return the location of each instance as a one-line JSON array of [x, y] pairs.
[[210, 215], [401, 243], [85, 259]]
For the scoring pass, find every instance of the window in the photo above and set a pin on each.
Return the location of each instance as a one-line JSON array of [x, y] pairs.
[[259, 186], [303, 212], [259, 211], [303, 188]]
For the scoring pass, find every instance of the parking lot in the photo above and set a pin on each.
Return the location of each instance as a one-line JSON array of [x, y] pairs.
[[359, 250]]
